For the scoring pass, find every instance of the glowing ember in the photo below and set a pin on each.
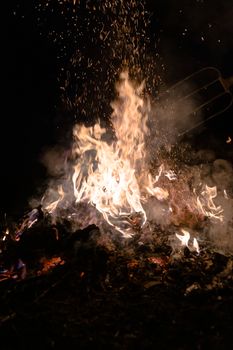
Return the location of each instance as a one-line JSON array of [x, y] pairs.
[[49, 264]]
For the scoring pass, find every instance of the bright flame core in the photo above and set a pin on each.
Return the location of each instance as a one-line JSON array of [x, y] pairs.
[[107, 175]]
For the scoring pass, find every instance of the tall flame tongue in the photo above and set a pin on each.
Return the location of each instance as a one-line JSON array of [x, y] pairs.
[[107, 175]]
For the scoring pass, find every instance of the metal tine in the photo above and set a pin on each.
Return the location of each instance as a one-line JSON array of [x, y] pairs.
[[211, 100], [198, 89], [211, 116], [193, 75], [218, 78], [211, 76]]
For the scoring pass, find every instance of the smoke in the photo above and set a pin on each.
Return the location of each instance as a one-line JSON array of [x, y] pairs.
[[174, 113], [56, 161]]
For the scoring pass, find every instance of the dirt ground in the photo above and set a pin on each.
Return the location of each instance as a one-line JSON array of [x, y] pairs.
[[90, 296]]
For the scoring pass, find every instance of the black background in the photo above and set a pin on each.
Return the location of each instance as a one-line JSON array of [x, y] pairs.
[[30, 121]]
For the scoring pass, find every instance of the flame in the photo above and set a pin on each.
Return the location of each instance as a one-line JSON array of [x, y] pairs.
[[50, 208], [5, 234], [185, 238], [111, 173], [228, 139], [196, 245], [206, 205], [29, 220], [107, 175]]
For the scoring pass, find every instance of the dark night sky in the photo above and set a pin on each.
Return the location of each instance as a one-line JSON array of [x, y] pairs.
[[29, 120]]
